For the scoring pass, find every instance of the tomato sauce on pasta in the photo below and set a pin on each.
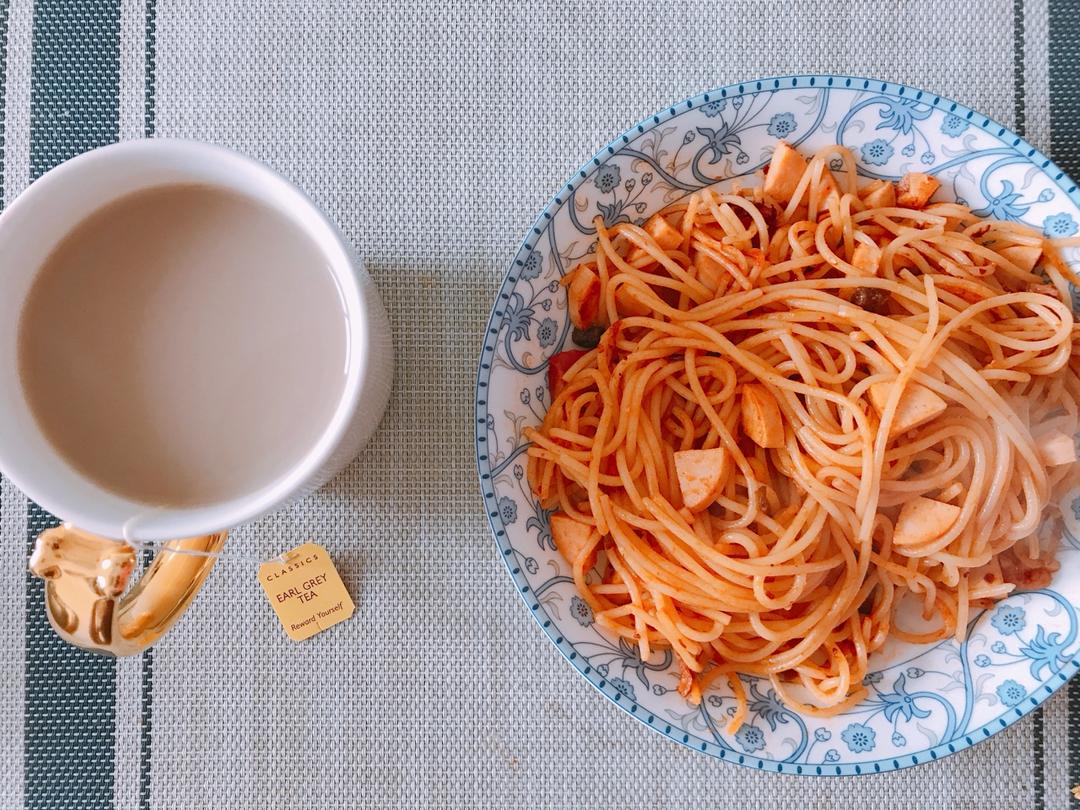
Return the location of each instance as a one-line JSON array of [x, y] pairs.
[[808, 400]]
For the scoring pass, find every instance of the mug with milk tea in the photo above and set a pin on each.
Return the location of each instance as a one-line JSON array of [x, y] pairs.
[[186, 344]]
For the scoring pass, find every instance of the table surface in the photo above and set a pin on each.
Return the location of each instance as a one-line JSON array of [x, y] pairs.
[[432, 133]]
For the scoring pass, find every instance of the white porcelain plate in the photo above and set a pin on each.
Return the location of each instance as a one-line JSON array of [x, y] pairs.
[[925, 701]]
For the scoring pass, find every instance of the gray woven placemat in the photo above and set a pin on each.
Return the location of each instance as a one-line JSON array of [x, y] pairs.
[[464, 116]]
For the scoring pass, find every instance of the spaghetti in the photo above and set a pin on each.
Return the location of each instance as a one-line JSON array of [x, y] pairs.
[[809, 402]]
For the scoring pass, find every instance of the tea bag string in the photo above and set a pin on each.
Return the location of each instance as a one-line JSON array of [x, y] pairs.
[[130, 529], [150, 545]]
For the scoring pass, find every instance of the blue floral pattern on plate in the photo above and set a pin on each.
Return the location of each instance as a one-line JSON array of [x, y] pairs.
[[923, 702]]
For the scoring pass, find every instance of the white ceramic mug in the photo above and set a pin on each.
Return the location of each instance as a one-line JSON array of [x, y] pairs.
[[29, 229]]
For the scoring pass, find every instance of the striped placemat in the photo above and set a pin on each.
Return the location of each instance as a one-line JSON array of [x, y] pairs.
[[432, 132]]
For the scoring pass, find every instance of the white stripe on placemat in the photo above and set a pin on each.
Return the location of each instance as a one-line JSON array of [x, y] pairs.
[[15, 109], [132, 67], [128, 735], [12, 578], [126, 770], [17, 115]]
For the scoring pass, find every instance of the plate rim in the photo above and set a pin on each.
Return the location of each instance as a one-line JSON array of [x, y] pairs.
[[692, 741]]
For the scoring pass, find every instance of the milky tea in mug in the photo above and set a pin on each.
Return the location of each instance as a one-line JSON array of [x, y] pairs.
[[183, 345]]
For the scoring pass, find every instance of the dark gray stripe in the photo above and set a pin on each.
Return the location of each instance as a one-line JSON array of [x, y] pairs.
[[70, 717], [1064, 49], [146, 726], [75, 80], [70, 694], [1038, 732], [1020, 116], [1074, 739], [1019, 102]]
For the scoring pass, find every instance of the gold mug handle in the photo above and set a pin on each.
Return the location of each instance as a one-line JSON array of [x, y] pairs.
[[86, 576]]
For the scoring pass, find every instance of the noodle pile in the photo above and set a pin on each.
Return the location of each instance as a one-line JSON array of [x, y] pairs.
[[846, 311]]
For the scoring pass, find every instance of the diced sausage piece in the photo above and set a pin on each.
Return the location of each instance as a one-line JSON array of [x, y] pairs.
[[915, 190], [665, 236], [1056, 448], [918, 405], [785, 170], [865, 259], [570, 275], [922, 520], [709, 271], [761, 418], [573, 538], [701, 475], [1023, 256], [660, 229], [879, 194], [583, 297], [628, 303], [558, 365]]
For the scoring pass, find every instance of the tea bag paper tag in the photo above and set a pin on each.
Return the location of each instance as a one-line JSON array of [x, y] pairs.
[[306, 591]]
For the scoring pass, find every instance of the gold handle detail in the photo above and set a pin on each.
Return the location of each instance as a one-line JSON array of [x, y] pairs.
[[85, 576]]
